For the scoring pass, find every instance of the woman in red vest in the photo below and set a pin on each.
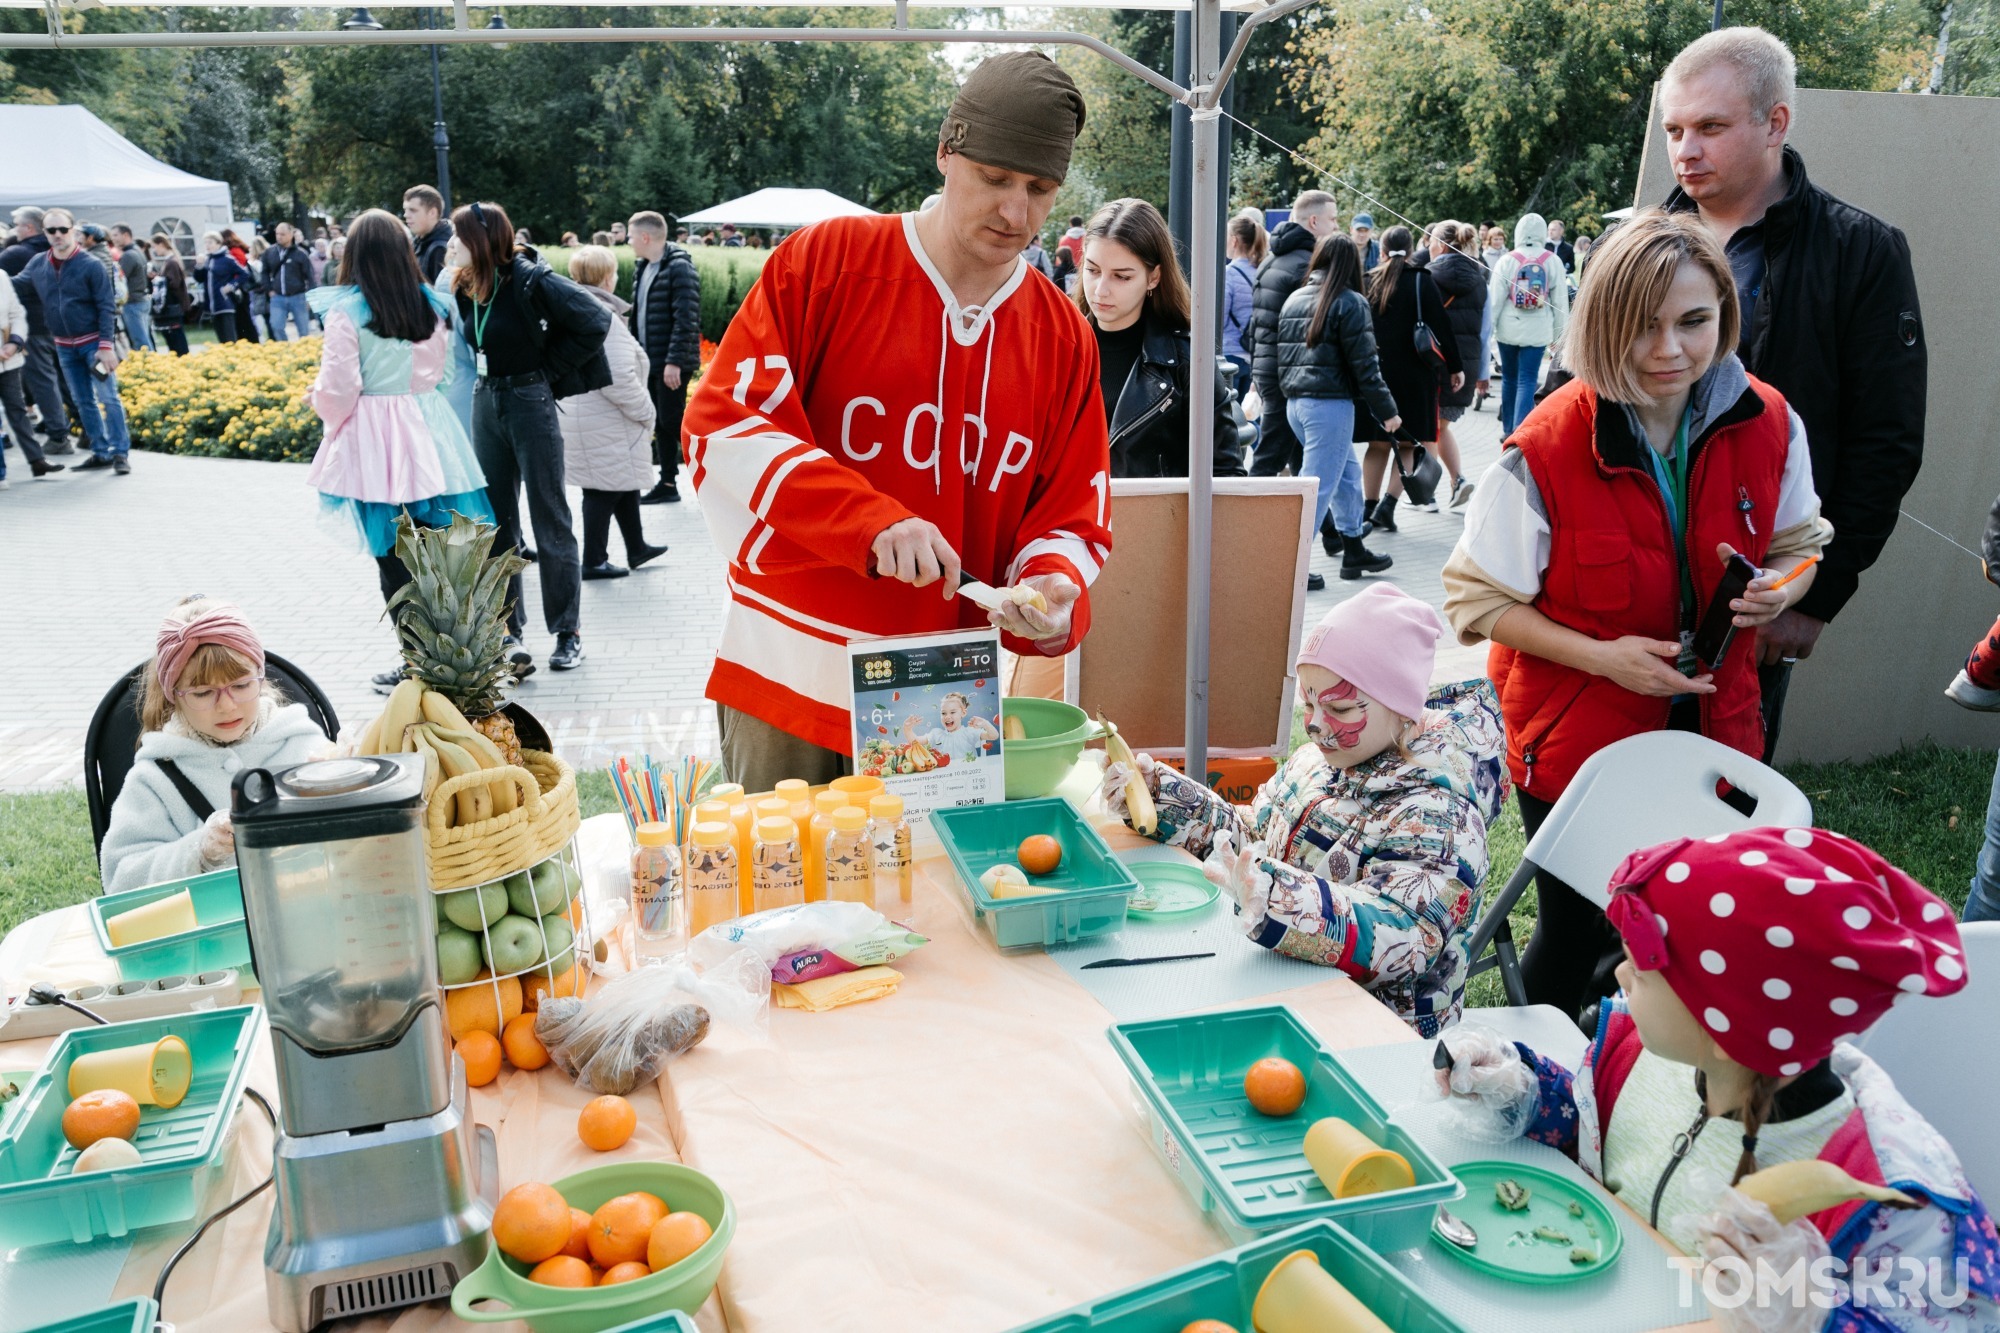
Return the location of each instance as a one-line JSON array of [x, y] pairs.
[[1596, 541]]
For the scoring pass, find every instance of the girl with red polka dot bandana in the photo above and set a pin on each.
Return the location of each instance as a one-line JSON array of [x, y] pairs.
[[1752, 961]]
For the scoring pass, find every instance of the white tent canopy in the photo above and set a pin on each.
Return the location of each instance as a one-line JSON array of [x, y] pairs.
[[63, 156], [778, 207]]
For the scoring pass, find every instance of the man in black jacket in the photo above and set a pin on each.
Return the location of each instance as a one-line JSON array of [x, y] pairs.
[[423, 212], [1282, 273], [1830, 313], [666, 319], [40, 372], [288, 276]]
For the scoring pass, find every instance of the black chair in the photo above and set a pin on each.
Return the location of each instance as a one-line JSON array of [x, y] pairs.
[[112, 742]]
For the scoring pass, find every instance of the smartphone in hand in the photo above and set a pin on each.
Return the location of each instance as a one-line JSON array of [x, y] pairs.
[[1718, 623]]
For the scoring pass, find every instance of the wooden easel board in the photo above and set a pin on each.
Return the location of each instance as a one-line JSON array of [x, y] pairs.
[[1132, 666]]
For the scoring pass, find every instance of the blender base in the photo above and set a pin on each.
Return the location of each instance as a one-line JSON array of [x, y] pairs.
[[379, 1218]]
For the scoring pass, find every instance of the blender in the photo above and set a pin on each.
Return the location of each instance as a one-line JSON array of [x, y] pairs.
[[385, 1186]]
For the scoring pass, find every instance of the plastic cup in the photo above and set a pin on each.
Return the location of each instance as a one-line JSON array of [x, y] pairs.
[[154, 1073], [858, 785], [155, 920], [1301, 1297], [1350, 1164]]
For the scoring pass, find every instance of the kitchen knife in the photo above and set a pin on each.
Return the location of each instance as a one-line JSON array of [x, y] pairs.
[[980, 594], [1140, 962]]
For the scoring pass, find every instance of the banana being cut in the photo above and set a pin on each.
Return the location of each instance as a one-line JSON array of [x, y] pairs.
[[1139, 808], [1792, 1190]]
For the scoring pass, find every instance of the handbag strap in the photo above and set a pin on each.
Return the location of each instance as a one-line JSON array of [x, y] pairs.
[[185, 786]]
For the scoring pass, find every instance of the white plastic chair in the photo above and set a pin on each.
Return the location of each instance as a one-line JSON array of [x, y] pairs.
[[1945, 1057], [1639, 792]]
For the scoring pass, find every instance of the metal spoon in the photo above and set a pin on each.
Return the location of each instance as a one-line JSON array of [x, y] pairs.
[[1452, 1231]]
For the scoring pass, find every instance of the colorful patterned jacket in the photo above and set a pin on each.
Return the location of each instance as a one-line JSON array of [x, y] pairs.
[[1374, 870], [1883, 1142]]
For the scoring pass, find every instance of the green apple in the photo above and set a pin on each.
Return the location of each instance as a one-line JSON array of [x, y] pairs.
[[560, 935], [475, 909], [535, 896], [513, 944], [556, 880], [458, 955]]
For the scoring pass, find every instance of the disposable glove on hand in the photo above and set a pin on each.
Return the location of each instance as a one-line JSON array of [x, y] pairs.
[[1047, 630], [1492, 1088], [218, 841], [1743, 1228], [1116, 775], [1240, 874]]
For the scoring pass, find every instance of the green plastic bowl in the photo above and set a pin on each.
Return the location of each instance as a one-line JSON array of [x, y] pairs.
[[591, 1310], [1056, 735]]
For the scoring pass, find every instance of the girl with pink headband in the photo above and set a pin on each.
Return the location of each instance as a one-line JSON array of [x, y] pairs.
[[1365, 852], [1752, 962], [208, 714]]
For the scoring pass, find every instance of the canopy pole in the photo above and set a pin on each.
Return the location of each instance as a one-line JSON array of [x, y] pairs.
[[1205, 204]]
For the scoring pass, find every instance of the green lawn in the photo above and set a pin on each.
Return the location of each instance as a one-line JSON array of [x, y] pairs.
[[1924, 809]]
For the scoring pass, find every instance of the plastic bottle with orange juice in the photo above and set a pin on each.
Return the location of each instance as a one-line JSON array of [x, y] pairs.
[[895, 865], [824, 804], [778, 873], [847, 857], [710, 879], [741, 816], [769, 807]]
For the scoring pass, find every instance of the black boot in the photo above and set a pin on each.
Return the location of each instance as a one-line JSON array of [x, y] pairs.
[[1329, 536], [1356, 559], [1385, 514]]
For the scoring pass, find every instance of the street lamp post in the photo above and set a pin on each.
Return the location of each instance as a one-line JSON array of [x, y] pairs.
[[440, 141]]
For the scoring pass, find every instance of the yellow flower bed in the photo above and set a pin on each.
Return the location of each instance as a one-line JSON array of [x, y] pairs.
[[229, 400]]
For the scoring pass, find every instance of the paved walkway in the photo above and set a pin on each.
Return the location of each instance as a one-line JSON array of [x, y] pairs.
[[89, 563]]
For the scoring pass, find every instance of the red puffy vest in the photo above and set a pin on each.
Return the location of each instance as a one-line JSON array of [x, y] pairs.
[[1612, 572]]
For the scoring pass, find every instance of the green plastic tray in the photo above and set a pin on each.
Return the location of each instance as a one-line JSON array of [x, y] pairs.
[[1248, 1169], [1092, 884], [628, 1304], [673, 1321], [1173, 889], [181, 1148], [1504, 1254], [219, 939], [1225, 1287], [133, 1316]]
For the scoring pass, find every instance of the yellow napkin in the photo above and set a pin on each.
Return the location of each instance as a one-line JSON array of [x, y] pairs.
[[824, 993]]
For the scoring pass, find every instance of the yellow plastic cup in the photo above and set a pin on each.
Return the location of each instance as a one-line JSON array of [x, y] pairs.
[[153, 1074], [858, 785], [1350, 1164], [1302, 1297], [155, 920]]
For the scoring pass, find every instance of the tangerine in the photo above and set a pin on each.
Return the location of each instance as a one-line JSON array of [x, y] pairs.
[[620, 1229], [630, 1271], [675, 1237], [563, 1270], [104, 1114], [1208, 1326], [532, 1223], [470, 1007], [579, 1234], [606, 1123], [524, 1049], [538, 986], [1039, 854], [481, 1052], [1275, 1086]]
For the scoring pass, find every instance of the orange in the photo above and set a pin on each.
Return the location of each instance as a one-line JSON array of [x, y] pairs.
[[606, 1123], [538, 985], [579, 1234], [524, 1049], [675, 1237], [104, 1114], [1209, 1326], [1274, 1086], [619, 1230], [1039, 854], [563, 1271], [481, 1052], [531, 1223], [630, 1271], [470, 1007]]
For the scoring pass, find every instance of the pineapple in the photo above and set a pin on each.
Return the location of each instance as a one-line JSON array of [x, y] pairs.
[[451, 620]]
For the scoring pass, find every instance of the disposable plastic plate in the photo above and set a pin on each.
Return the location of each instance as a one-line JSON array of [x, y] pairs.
[[219, 939], [40, 1201], [1508, 1246], [133, 1316], [1169, 889], [1249, 1168], [1225, 1286], [1090, 886]]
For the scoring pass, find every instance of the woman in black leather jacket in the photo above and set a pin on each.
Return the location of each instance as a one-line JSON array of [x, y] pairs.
[[1132, 292], [1326, 361]]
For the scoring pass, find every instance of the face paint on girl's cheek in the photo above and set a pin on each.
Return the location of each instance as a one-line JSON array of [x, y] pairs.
[[1330, 732]]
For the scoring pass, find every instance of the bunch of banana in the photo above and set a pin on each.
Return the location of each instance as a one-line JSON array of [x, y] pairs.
[[1138, 797], [1792, 1190], [421, 721]]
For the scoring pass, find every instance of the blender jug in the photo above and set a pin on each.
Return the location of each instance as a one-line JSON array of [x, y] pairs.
[[336, 897]]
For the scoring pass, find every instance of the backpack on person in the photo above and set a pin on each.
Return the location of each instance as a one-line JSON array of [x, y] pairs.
[[1529, 289]]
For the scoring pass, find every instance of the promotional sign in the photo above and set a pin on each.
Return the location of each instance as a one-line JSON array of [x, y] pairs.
[[926, 711]]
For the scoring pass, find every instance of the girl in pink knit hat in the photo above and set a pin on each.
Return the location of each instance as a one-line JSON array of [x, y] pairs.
[[1752, 961], [1366, 851], [208, 714]]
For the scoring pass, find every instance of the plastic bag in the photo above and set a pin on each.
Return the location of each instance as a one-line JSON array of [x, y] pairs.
[[809, 940], [624, 1033], [1741, 1228], [1492, 1091]]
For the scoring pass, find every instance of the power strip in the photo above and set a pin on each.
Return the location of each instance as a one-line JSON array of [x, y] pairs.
[[121, 1002]]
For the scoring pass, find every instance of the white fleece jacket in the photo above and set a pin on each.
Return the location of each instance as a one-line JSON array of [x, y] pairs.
[[154, 836]]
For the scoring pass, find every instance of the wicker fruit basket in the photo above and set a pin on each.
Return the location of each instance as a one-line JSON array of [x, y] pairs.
[[543, 820]]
